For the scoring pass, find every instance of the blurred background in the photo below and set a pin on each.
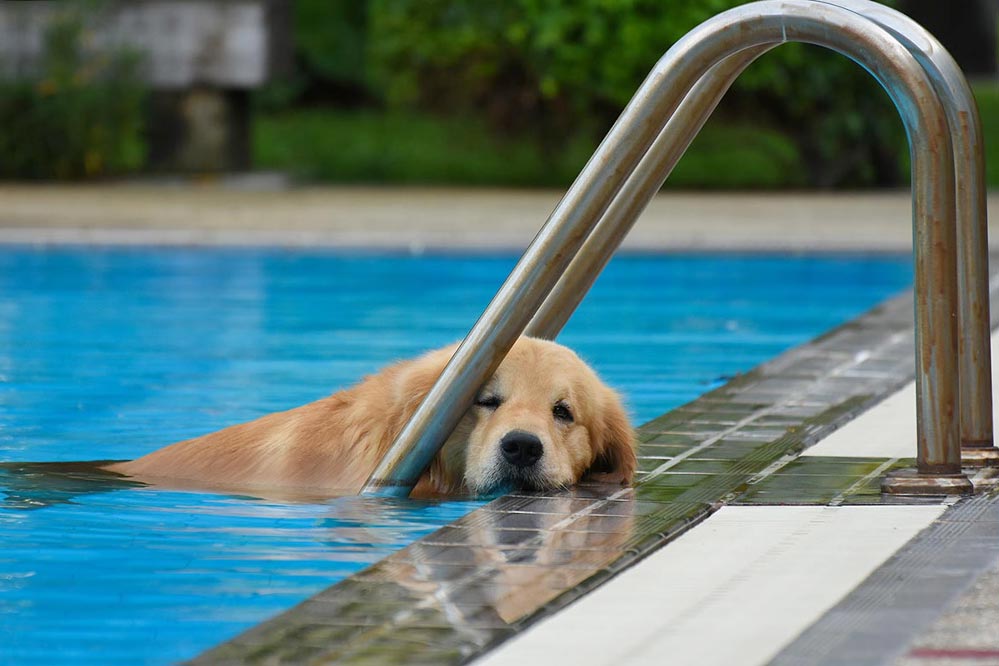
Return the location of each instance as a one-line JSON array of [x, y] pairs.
[[441, 92]]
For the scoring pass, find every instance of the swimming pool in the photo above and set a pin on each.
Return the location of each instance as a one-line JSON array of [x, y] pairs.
[[109, 353]]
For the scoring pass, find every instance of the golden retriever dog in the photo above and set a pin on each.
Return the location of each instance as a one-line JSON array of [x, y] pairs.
[[543, 421]]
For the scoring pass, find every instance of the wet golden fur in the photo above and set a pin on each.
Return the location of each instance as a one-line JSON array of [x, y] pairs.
[[331, 446]]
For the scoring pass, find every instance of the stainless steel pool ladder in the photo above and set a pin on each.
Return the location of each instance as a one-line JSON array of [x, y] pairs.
[[953, 375]]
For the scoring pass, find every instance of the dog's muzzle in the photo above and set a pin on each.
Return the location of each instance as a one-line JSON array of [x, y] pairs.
[[521, 449]]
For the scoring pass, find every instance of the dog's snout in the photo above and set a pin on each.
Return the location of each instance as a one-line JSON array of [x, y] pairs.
[[521, 449]]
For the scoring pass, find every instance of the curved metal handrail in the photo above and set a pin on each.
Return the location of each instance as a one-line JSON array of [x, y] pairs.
[[974, 355], [755, 25]]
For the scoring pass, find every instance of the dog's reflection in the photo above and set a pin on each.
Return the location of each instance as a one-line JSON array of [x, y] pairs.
[[507, 565], [35, 485]]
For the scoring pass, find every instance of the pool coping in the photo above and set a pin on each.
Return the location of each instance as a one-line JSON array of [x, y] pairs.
[[467, 587], [417, 219]]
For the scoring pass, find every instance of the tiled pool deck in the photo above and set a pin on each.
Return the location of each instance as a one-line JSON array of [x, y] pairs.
[[508, 569]]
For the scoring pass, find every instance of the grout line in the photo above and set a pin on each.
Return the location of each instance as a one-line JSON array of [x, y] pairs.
[[773, 467]]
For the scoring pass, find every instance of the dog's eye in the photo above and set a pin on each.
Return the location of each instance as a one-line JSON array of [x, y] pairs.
[[561, 412], [488, 401]]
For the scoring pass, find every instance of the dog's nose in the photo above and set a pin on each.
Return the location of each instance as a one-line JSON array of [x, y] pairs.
[[521, 449]]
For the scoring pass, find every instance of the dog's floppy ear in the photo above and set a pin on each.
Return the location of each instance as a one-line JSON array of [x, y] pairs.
[[411, 381], [614, 443]]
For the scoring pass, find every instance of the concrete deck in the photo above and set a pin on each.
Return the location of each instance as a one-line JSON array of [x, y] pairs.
[[415, 219]]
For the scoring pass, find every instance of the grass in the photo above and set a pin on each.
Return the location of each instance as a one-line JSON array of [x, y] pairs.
[[738, 156], [390, 147], [373, 146]]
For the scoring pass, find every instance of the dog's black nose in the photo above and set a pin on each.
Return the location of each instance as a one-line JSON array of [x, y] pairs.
[[521, 449]]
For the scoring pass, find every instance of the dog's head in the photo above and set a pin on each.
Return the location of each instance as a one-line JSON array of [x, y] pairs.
[[544, 420]]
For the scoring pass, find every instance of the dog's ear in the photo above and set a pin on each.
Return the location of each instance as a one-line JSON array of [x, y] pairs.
[[614, 443], [412, 380]]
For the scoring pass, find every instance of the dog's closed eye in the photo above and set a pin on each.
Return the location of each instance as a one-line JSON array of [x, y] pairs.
[[489, 401]]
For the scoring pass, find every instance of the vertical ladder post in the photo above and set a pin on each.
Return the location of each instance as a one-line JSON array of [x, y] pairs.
[[974, 322]]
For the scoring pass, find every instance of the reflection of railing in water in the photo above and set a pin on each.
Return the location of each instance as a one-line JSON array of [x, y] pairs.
[[949, 220]]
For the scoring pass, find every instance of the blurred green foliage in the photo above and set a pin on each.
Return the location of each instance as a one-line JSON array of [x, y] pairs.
[[330, 37], [555, 74], [404, 147], [82, 118], [556, 68], [330, 55], [372, 146], [987, 95]]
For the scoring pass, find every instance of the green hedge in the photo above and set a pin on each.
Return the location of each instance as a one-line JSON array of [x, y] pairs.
[[81, 119], [372, 146], [558, 68], [375, 146], [987, 95], [519, 93]]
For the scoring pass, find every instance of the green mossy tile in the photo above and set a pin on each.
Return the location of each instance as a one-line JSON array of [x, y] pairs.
[[432, 637], [644, 436], [320, 635], [699, 431], [657, 493], [471, 616], [890, 500], [728, 412], [661, 453], [557, 505], [284, 653], [389, 653], [629, 507], [682, 442], [691, 466], [646, 465], [525, 521], [660, 520], [805, 484], [665, 424], [725, 450], [856, 467], [657, 451], [771, 421], [673, 480], [813, 496], [810, 459]]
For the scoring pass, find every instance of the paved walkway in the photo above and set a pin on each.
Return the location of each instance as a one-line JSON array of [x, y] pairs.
[[421, 218]]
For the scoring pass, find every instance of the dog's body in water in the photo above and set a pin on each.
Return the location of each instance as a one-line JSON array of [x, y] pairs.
[[544, 420]]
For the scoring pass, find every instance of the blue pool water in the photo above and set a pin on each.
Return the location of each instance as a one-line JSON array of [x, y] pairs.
[[111, 353]]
